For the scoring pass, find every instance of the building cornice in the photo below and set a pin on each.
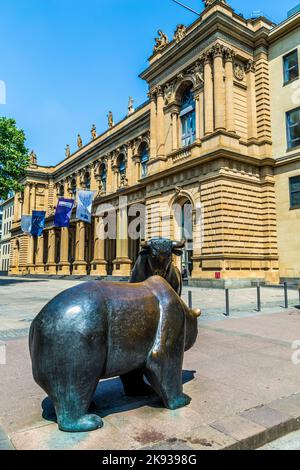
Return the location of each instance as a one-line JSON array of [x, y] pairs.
[[285, 28], [218, 26], [112, 141], [287, 160], [210, 157]]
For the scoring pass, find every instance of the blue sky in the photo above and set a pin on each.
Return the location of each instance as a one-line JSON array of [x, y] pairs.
[[66, 63]]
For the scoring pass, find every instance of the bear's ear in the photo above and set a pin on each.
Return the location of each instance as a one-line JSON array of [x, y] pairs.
[[177, 252]]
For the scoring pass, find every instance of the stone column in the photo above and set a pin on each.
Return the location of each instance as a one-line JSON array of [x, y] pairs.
[[80, 265], [219, 88], [251, 100], [32, 198], [30, 255], [201, 118], [93, 179], [230, 118], [175, 130], [160, 123], [153, 125], [122, 264], [51, 265], [109, 175], [39, 262], [26, 204], [99, 264], [66, 188], [208, 95], [130, 165], [64, 265], [198, 117]]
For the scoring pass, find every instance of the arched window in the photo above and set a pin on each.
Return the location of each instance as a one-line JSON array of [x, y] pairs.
[[122, 165], [144, 159], [87, 181], [188, 118], [73, 188], [103, 175]]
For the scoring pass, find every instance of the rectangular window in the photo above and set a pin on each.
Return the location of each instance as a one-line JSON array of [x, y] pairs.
[[291, 67], [293, 128], [295, 192]]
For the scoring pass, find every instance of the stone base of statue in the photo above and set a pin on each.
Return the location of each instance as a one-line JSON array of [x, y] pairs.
[[100, 330], [64, 268], [39, 269], [51, 269], [99, 267], [122, 267], [31, 269], [79, 268]]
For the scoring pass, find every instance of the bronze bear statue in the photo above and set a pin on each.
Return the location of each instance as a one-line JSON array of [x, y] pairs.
[[100, 330]]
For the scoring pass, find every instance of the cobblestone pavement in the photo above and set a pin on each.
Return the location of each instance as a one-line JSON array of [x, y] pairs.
[[21, 299]]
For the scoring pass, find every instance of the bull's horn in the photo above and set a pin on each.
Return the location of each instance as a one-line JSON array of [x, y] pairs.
[[144, 244], [179, 244], [196, 312]]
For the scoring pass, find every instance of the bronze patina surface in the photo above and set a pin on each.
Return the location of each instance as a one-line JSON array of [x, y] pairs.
[[155, 259], [104, 329]]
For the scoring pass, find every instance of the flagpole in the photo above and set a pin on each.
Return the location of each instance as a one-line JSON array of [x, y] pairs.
[[186, 7]]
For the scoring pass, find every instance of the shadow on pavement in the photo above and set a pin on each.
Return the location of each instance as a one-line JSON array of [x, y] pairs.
[[7, 282], [109, 399]]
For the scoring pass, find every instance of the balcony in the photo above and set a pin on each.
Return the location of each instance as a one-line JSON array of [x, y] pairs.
[[182, 154]]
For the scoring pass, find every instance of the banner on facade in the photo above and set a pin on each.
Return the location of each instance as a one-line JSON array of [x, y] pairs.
[[26, 222], [84, 205], [63, 212], [38, 223]]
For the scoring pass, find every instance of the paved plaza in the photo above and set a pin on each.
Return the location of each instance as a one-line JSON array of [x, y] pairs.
[[244, 386], [22, 298]]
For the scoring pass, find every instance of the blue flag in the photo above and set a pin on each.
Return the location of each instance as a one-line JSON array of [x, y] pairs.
[[26, 222], [38, 223], [84, 205], [63, 212]]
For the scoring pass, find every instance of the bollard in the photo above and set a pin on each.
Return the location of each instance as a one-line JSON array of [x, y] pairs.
[[190, 294], [258, 298], [286, 300], [227, 303]]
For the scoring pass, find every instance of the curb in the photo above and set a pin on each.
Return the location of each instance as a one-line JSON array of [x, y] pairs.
[[247, 430]]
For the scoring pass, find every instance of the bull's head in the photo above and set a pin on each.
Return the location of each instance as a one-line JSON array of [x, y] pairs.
[[160, 251]]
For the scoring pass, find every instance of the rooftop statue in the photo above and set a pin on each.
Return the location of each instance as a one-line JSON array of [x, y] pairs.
[[130, 106], [110, 119], [68, 151], [161, 42], [100, 330], [79, 141], [180, 33], [208, 3], [33, 158], [94, 132]]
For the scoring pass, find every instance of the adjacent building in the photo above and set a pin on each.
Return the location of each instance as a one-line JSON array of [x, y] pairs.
[[202, 139], [7, 210], [284, 60]]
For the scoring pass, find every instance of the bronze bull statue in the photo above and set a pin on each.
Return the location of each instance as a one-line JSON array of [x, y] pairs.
[[100, 330], [155, 259]]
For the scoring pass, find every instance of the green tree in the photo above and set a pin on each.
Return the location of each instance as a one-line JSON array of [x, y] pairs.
[[14, 158]]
